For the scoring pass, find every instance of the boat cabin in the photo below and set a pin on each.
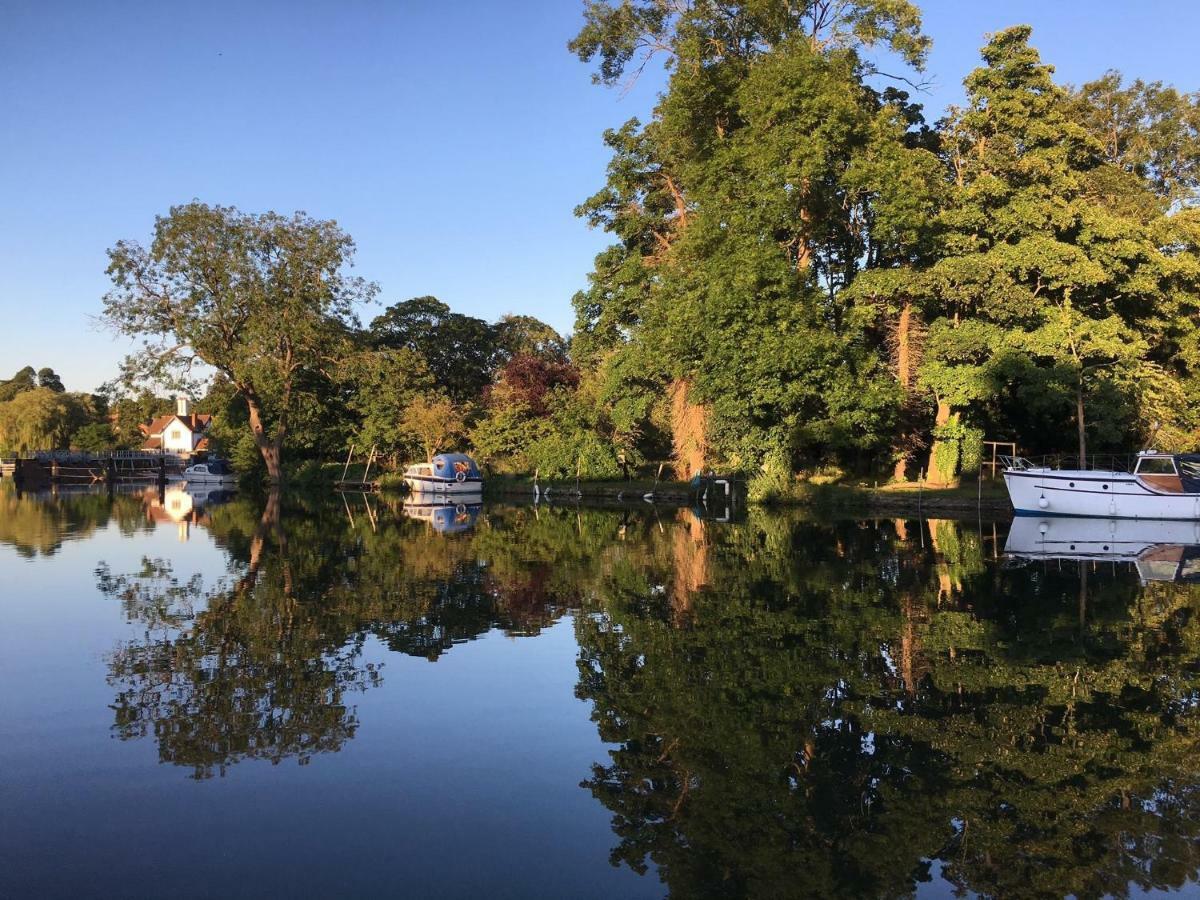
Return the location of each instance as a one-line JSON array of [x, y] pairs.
[[1170, 474]]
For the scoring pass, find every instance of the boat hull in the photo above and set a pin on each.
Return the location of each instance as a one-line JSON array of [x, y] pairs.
[[443, 487], [1094, 494]]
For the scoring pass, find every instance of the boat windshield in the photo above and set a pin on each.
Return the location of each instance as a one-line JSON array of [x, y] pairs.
[[1156, 465]]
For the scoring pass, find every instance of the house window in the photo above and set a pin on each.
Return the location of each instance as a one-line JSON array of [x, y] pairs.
[[176, 434]]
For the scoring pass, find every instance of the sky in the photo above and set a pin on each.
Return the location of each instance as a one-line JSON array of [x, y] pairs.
[[451, 140]]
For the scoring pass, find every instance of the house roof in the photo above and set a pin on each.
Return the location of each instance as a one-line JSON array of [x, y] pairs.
[[193, 422], [153, 443]]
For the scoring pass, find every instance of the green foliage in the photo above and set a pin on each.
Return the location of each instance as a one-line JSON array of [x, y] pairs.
[[263, 299], [43, 419], [774, 482], [47, 378], [504, 435], [96, 437], [577, 441], [457, 350], [380, 386], [23, 380]]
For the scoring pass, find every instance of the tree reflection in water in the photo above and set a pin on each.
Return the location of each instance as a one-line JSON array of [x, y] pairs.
[[795, 708], [262, 663], [847, 704]]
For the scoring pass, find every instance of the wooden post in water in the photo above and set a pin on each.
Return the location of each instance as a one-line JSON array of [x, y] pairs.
[[370, 459]]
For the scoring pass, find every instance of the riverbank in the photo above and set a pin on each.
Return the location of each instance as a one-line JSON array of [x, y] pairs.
[[990, 496]]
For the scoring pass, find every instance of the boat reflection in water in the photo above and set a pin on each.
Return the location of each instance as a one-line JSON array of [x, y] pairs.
[[1160, 550], [445, 515]]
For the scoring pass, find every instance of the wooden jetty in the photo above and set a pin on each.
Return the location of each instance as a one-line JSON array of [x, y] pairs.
[[363, 485]]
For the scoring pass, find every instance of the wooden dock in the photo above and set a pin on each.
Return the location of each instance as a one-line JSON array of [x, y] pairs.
[[44, 469]]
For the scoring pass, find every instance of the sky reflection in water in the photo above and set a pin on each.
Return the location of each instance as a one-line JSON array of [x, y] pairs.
[[339, 697]]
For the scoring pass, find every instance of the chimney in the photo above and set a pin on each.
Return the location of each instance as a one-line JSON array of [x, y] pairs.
[[183, 406]]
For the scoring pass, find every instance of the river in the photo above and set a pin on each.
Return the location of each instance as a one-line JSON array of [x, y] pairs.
[[207, 695]]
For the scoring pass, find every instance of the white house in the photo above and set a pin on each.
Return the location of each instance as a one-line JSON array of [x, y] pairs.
[[182, 432]]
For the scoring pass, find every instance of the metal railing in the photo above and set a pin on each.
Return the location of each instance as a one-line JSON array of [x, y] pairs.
[[1098, 462]]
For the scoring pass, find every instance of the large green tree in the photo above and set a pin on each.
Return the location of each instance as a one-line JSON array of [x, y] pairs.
[[457, 349], [1052, 276], [265, 300], [741, 212]]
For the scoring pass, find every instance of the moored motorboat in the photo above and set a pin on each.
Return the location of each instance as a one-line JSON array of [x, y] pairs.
[[214, 471], [446, 473], [1161, 486]]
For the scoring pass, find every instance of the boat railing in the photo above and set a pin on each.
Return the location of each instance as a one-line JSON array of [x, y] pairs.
[[1100, 462]]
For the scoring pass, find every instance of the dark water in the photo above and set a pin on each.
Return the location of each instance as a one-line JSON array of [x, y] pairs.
[[332, 698]]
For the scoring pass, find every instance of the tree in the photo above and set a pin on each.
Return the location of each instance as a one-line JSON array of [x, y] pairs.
[[48, 379], [743, 212], [41, 419], [24, 380], [96, 437], [457, 349], [382, 385], [262, 299], [434, 423], [516, 335], [1145, 129], [1047, 269]]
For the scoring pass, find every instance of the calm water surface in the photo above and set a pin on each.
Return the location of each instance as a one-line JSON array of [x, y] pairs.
[[347, 697]]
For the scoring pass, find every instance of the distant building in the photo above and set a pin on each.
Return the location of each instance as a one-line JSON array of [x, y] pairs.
[[182, 432]]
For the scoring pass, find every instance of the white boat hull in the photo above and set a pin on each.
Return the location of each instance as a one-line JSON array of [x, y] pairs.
[[439, 487], [211, 480], [1094, 494]]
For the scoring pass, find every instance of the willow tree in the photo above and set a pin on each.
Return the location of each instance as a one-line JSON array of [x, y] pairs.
[[263, 299], [740, 212]]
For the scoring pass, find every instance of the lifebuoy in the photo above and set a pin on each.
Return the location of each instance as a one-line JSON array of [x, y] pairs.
[[461, 508], [460, 477]]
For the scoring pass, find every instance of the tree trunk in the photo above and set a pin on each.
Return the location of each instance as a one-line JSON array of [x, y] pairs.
[[1080, 424], [933, 474], [903, 375], [270, 449]]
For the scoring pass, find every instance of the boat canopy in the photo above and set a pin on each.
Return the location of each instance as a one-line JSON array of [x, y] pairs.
[[449, 465], [1188, 465]]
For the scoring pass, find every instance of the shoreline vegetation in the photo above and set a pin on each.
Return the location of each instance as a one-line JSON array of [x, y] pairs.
[[808, 280], [988, 496]]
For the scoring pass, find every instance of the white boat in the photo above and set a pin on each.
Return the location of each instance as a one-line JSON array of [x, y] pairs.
[[1161, 486], [446, 473], [1161, 551], [211, 472]]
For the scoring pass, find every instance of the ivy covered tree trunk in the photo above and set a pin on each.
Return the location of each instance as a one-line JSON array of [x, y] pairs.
[[904, 370], [943, 454]]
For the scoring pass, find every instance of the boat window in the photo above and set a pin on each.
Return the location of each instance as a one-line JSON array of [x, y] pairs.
[[1156, 465]]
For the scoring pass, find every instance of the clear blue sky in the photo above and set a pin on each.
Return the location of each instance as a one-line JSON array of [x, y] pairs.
[[452, 140]]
